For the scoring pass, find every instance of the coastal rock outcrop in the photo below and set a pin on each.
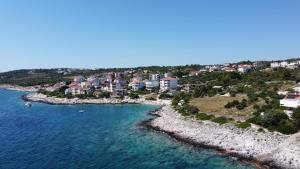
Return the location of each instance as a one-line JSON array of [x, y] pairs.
[[273, 149], [37, 97]]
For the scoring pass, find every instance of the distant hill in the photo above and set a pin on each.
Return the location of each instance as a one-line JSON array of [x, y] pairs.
[[30, 77]]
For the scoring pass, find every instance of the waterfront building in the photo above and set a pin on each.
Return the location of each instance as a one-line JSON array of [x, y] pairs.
[[151, 84], [168, 83], [137, 85], [75, 90]]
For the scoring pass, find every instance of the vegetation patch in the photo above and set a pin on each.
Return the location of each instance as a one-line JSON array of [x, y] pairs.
[[243, 125], [220, 120], [203, 116]]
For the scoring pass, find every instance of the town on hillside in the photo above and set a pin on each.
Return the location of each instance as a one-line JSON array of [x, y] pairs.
[[263, 93]]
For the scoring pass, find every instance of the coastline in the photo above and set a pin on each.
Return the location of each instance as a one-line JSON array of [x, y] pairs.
[[36, 97], [18, 88], [267, 150]]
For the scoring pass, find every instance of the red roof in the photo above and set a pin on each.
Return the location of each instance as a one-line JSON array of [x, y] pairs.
[[169, 78]]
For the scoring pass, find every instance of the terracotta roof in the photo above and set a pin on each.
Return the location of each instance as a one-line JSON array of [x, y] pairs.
[[169, 78]]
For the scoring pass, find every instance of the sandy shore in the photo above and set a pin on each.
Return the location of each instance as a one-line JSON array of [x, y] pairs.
[[266, 148]]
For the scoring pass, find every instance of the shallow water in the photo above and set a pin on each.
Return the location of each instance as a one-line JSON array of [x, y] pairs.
[[104, 136]]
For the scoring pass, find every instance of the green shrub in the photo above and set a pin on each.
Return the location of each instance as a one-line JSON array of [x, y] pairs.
[[211, 93], [133, 95], [165, 96], [203, 116], [285, 128], [220, 120], [151, 98], [191, 109], [185, 114], [230, 119], [231, 104], [296, 118], [244, 125]]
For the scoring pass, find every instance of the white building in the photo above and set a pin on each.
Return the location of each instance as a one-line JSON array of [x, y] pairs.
[[202, 70], [115, 88], [283, 64], [293, 65], [152, 84], [275, 65], [137, 85], [74, 90], [244, 68], [155, 77], [214, 68], [168, 83], [290, 101]]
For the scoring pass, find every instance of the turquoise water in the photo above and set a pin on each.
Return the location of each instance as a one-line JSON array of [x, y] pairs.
[[104, 136]]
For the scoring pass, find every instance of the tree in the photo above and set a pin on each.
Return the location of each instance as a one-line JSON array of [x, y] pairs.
[[199, 91], [62, 89], [296, 118], [273, 119], [133, 95], [191, 109]]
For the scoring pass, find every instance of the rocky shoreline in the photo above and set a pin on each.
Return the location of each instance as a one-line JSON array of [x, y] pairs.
[[18, 88], [37, 97], [266, 150]]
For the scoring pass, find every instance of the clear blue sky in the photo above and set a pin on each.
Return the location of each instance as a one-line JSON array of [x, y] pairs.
[[126, 33]]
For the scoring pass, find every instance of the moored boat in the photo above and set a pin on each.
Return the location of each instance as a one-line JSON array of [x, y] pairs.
[[28, 104]]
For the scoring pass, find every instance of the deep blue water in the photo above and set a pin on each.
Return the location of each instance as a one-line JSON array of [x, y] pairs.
[[104, 136]]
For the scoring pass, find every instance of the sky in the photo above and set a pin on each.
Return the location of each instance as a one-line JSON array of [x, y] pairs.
[[130, 33]]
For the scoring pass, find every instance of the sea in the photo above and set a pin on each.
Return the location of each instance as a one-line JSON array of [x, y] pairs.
[[93, 136]]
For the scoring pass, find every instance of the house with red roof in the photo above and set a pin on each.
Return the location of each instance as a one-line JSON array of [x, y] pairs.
[[168, 83]]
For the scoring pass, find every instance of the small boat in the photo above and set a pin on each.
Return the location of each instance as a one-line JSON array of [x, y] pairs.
[[28, 104], [81, 111]]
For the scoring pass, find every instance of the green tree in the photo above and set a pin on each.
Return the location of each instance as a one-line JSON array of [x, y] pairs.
[[296, 118]]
